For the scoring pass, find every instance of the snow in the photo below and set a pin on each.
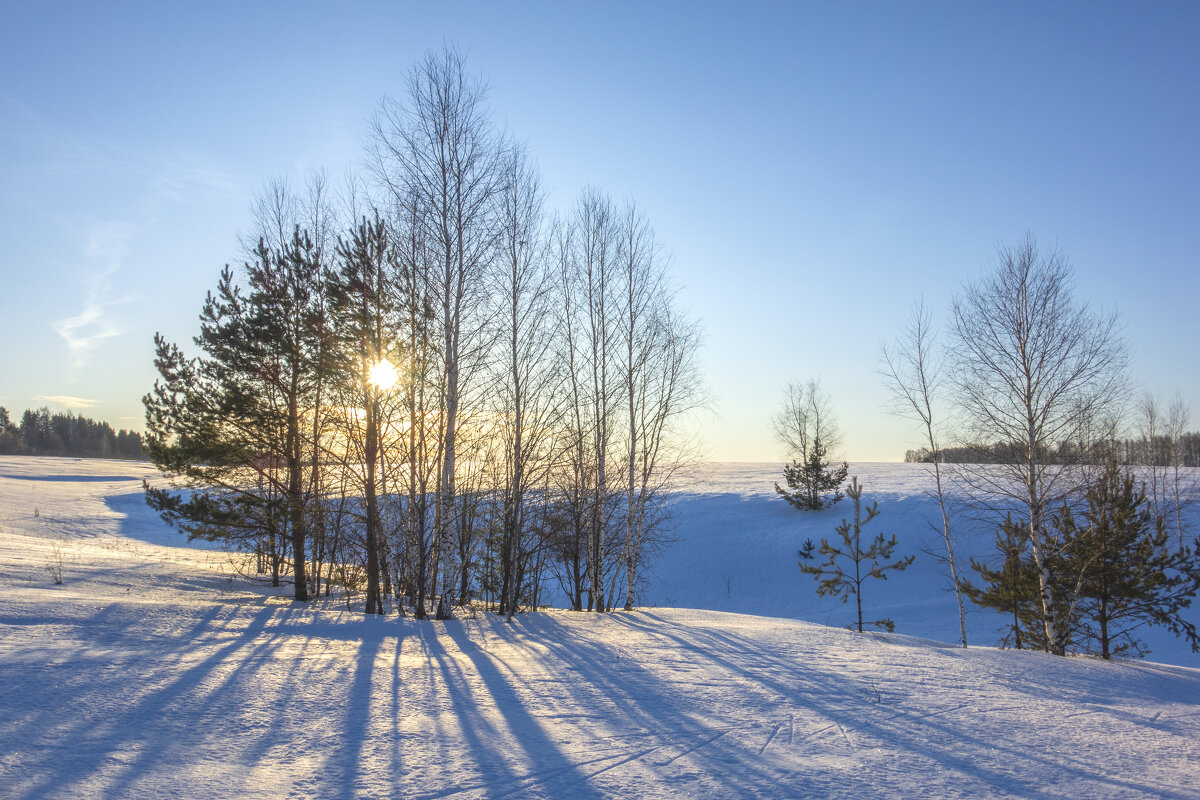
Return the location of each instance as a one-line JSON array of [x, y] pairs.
[[737, 544], [155, 671]]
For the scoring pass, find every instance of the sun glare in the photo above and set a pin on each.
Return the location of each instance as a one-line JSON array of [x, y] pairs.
[[383, 375]]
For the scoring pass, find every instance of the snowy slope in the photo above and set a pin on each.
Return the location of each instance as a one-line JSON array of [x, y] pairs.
[[737, 544], [153, 672]]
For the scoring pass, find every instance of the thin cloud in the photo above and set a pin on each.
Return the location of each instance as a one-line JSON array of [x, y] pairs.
[[67, 401], [155, 180], [107, 246]]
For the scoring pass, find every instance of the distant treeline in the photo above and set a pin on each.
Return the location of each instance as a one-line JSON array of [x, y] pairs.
[[40, 433], [1162, 451]]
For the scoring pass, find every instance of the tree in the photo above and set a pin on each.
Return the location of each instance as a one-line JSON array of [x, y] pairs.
[[1128, 574], [590, 274], [1155, 444], [914, 374], [440, 152], [1034, 368], [807, 428], [660, 380], [232, 423], [1182, 494], [848, 565], [1011, 589], [527, 397], [361, 303], [574, 476]]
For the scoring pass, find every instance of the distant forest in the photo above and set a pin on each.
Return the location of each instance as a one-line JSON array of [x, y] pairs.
[[40, 433], [1162, 452]]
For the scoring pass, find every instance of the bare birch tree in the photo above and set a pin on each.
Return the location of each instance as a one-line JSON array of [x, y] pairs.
[[1033, 368], [441, 148], [660, 384], [1154, 455], [526, 396], [913, 371], [592, 283], [574, 476], [807, 427], [1182, 494], [421, 393]]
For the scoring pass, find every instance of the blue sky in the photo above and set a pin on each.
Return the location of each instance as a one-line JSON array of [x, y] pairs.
[[813, 168]]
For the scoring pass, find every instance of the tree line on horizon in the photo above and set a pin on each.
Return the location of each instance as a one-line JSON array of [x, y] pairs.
[[430, 389], [42, 433], [1167, 450]]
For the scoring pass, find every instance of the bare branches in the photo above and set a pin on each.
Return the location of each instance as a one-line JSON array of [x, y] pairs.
[[1033, 367], [913, 369], [805, 418]]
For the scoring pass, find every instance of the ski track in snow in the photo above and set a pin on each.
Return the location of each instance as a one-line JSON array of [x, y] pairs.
[[154, 671]]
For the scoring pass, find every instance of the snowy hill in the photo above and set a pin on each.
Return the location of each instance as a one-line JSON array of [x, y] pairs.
[[152, 671], [737, 543]]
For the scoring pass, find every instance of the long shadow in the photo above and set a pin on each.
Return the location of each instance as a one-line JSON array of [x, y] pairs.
[[525, 731], [220, 696], [75, 478], [118, 635], [651, 717], [217, 703], [483, 741], [706, 644], [142, 523], [91, 743], [355, 721]]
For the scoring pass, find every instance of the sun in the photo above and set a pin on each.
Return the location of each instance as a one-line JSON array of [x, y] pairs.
[[384, 375]]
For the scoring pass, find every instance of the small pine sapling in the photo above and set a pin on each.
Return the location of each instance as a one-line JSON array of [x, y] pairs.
[[815, 483], [806, 549], [848, 565]]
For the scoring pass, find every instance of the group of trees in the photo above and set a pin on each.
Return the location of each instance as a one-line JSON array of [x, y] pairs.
[[1090, 550], [1165, 452], [435, 390], [1113, 568], [808, 429], [41, 433]]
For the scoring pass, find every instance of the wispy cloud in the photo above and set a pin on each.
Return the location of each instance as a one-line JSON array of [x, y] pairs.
[[107, 246], [67, 401], [144, 185]]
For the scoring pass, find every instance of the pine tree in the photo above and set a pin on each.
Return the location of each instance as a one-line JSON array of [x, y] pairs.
[[362, 312], [1128, 574], [812, 480], [233, 422], [848, 565], [1012, 589]]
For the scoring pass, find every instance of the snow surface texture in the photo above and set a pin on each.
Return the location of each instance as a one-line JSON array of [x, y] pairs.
[[153, 671]]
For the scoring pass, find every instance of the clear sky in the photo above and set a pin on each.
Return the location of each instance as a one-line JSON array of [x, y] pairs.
[[814, 168]]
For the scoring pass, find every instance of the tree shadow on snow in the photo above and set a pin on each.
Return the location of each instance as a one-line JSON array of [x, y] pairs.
[[930, 736]]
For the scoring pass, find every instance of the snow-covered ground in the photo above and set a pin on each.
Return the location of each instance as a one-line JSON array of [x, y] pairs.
[[153, 671], [737, 544]]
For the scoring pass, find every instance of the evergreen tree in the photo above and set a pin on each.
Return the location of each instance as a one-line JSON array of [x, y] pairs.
[[815, 483], [1012, 589], [848, 565], [1128, 574], [232, 422], [362, 315]]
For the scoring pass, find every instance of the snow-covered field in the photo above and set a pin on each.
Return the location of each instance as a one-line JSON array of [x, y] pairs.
[[152, 671], [737, 544]]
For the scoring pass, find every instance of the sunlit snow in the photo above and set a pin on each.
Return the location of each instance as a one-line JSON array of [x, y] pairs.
[[153, 671]]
